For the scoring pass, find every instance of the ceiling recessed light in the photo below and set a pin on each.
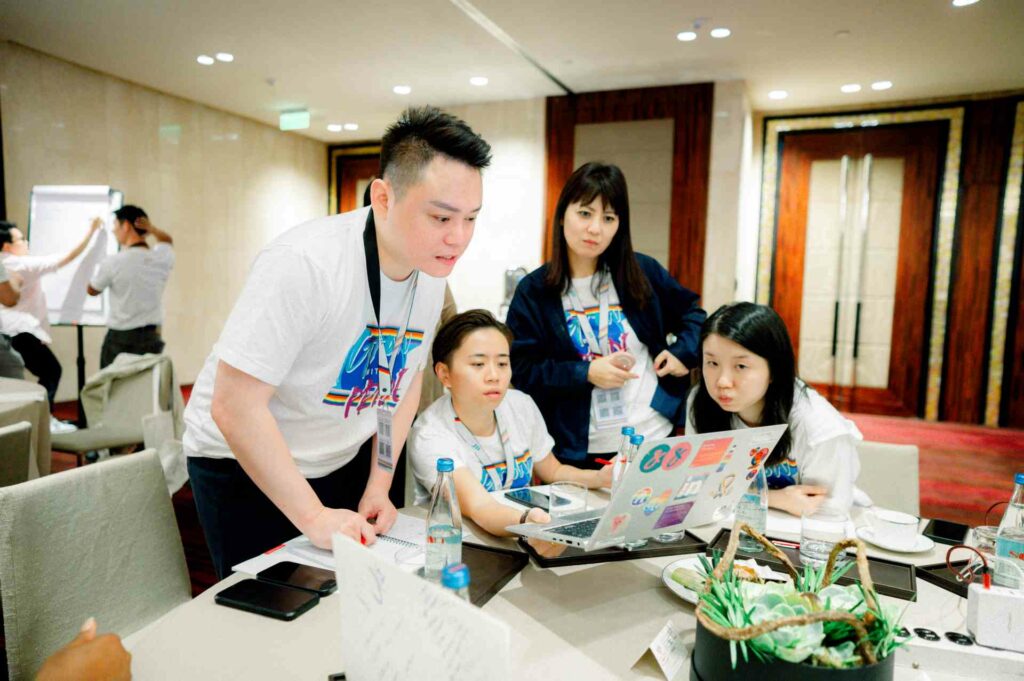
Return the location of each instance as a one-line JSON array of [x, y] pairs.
[[720, 33], [351, 126], [479, 81], [686, 36], [401, 89], [881, 85], [850, 87], [205, 59], [334, 127], [963, 3], [778, 94], [225, 57]]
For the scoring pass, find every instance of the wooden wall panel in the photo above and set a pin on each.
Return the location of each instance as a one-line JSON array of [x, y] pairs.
[[988, 131], [1013, 373], [691, 107]]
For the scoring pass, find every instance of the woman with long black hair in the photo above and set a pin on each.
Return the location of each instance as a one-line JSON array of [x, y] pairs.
[[591, 327]]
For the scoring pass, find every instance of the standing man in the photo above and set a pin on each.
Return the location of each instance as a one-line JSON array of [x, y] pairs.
[[27, 323], [11, 365], [136, 276], [299, 414]]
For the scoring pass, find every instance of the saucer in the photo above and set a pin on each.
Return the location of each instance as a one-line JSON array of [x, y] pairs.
[[922, 543]]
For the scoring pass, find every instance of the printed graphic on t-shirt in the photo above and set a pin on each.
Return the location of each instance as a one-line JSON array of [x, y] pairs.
[[618, 337], [522, 476], [356, 388], [782, 474]]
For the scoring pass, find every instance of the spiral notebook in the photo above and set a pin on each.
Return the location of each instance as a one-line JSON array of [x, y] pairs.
[[404, 545]]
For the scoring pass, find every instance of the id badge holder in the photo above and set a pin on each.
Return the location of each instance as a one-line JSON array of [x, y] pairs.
[[608, 408], [384, 456]]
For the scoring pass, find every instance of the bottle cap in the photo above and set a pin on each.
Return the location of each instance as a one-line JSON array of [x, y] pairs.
[[455, 576], [636, 439], [628, 430], [445, 465], [1019, 479]]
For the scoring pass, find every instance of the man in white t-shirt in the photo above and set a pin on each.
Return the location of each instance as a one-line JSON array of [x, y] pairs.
[[11, 365], [136, 276], [283, 424], [27, 323]]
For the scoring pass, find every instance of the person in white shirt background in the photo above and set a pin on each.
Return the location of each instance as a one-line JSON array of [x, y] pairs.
[[495, 435], [748, 379], [136, 277], [324, 350], [26, 322]]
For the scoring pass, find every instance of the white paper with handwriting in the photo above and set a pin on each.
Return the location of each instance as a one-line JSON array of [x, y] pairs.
[[397, 626]]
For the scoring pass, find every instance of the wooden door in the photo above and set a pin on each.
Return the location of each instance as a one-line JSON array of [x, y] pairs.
[[832, 235], [354, 173]]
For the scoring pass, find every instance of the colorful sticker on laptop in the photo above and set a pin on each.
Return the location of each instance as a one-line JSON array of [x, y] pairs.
[[620, 522], [641, 496], [691, 486], [665, 456], [657, 502], [711, 452], [674, 514], [724, 487], [757, 455]]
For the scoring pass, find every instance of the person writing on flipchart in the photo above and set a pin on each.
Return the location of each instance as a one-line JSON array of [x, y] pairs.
[[297, 418], [136, 277]]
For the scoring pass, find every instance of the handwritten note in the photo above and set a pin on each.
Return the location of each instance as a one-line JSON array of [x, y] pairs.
[[397, 626], [668, 652]]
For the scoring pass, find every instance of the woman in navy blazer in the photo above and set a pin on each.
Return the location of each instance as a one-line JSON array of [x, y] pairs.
[[591, 327]]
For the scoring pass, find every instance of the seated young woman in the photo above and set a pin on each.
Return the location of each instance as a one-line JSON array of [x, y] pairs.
[[748, 379], [495, 436]]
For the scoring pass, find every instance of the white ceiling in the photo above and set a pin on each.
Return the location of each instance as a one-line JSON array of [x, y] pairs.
[[341, 58]]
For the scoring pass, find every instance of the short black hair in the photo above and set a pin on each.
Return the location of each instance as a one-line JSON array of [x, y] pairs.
[[5, 232], [420, 134], [130, 213], [449, 336]]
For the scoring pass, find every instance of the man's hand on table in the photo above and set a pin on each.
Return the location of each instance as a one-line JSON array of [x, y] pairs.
[[330, 520], [377, 506]]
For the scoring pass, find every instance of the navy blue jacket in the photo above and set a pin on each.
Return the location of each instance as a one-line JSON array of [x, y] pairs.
[[546, 365]]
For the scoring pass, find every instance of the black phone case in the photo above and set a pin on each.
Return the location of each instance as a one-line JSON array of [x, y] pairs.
[[231, 598], [949, 541], [324, 591]]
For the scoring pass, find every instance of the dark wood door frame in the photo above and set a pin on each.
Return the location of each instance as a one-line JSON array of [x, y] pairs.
[[922, 145], [337, 156], [690, 106]]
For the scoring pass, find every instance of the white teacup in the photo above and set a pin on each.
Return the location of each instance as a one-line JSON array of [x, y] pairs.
[[893, 527]]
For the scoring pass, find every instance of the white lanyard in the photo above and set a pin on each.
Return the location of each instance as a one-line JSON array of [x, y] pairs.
[[504, 436], [386, 362], [598, 345]]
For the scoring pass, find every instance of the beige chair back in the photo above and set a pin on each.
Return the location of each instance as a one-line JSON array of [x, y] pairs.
[[889, 475], [98, 541], [15, 453]]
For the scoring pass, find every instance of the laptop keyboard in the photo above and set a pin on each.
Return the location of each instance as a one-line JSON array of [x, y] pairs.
[[582, 529]]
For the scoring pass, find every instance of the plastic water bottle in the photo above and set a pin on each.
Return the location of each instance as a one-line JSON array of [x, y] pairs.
[[456, 578], [1010, 540], [621, 457], [753, 510], [444, 523], [634, 447]]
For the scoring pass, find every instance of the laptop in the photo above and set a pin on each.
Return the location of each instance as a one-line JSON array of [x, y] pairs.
[[672, 484]]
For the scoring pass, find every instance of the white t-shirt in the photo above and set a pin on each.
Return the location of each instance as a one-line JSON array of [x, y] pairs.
[[29, 315], [304, 323], [136, 277], [3, 278], [435, 435], [638, 392], [823, 452]]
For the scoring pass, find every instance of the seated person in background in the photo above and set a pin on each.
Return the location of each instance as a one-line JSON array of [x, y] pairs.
[[89, 658], [11, 365], [136, 277], [495, 436], [748, 379], [27, 322]]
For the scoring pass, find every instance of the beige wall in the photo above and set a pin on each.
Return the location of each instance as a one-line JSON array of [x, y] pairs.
[[222, 185]]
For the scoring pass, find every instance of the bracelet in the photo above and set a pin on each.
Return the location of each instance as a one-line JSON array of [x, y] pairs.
[[522, 518]]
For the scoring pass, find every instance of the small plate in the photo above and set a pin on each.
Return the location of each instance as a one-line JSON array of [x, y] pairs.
[[688, 595], [922, 543]]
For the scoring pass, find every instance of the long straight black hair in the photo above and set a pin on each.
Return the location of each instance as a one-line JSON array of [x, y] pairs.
[[589, 181], [759, 329]]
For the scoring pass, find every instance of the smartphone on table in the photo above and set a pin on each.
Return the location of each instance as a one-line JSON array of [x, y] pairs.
[[305, 577], [946, 531], [264, 598], [533, 498]]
